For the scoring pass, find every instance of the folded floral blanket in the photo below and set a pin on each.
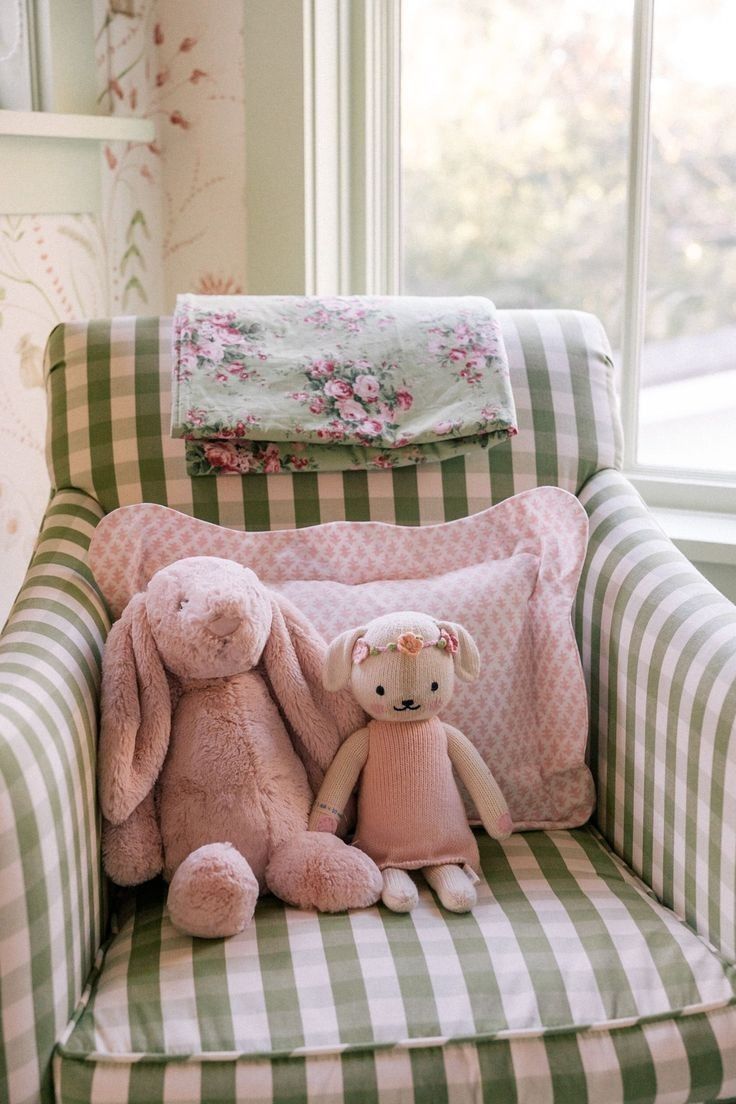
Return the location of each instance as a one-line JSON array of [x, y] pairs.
[[281, 383]]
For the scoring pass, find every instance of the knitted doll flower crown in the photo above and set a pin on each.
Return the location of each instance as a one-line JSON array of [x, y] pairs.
[[409, 643]]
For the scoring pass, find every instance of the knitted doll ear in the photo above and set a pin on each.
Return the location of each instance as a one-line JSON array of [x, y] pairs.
[[339, 660], [466, 657]]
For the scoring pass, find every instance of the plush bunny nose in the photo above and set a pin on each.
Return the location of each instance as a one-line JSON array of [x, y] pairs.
[[407, 702], [223, 626]]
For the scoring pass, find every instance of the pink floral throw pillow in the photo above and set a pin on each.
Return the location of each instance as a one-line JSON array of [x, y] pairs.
[[509, 574]]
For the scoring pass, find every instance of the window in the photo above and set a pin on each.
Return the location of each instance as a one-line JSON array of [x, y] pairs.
[[503, 147], [47, 56], [688, 371], [524, 177], [18, 85]]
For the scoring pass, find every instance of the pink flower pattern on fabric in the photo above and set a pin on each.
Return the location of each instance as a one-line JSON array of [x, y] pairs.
[[338, 389], [367, 388], [366, 373]]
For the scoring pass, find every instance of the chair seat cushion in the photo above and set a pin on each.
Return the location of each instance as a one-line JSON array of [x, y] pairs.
[[568, 981]]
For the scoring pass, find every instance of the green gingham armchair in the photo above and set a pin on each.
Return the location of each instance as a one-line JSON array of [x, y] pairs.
[[599, 964]]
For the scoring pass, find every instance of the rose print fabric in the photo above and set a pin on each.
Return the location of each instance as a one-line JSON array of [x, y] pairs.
[[286, 383]]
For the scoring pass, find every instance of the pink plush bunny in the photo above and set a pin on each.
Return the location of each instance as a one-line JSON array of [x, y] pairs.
[[198, 776]]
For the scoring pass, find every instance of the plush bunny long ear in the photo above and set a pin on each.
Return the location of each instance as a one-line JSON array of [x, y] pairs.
[[467, 657], [136, 714], [339, 661], [293, 657]]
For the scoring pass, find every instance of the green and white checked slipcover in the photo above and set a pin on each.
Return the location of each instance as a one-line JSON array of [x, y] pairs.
[[51, 908], [540, 996], [659, 651]]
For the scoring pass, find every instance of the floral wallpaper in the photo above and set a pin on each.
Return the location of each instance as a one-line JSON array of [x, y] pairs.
[[201, 114], [180, 63], [52, 269], [172, 220]]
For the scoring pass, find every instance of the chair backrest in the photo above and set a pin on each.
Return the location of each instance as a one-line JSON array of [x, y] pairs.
[[109, 394]]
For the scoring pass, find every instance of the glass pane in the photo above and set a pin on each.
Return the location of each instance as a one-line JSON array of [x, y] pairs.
[[514, 148], [16, 72], [688, 397]]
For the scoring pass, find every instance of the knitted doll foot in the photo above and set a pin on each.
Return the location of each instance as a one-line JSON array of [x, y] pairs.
[[213, 892], [399, 892], [453, 887]]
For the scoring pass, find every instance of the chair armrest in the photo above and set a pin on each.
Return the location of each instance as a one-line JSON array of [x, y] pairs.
[[51, 907], [659, 650]]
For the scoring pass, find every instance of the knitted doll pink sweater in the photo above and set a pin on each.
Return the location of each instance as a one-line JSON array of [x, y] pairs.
[[410, 813]]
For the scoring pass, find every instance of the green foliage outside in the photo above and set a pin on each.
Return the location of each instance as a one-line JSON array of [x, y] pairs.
[[515, 145]]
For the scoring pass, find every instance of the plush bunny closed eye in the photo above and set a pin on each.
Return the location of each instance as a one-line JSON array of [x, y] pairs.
[[199, 777]]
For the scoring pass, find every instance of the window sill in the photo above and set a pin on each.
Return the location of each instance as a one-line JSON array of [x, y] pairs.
[[708, 538], [52, 162], [98, 128]]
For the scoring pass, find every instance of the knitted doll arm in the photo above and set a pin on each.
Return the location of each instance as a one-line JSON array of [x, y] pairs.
[[482, 786], [338, 783]]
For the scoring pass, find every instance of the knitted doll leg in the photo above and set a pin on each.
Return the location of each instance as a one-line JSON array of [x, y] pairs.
[[452, 885], [399, 892]]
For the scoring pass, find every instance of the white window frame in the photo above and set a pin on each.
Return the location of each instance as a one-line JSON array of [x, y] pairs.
[[55, 42], [322, 146], [323, 194], [664, 488]]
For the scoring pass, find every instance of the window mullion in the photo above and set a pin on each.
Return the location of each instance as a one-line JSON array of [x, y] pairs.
[[637, 220], [387, 73], [375, 153]]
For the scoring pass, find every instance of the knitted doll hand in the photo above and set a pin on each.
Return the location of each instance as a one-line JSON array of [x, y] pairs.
[[499, 827], [323, 819]]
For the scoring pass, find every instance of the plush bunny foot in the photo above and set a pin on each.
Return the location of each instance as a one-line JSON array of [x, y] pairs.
[[317, 870], [399, 892], [453, 886], [213, 892]]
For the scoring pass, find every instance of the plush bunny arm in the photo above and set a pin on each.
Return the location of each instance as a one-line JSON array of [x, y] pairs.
[[293, 658], [482, 786], [338, 783]]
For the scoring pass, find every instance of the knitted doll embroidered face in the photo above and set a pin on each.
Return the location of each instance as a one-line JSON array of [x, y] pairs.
[[402, 666]]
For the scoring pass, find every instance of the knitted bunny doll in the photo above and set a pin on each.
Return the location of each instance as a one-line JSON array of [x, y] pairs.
[[402, 670]]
